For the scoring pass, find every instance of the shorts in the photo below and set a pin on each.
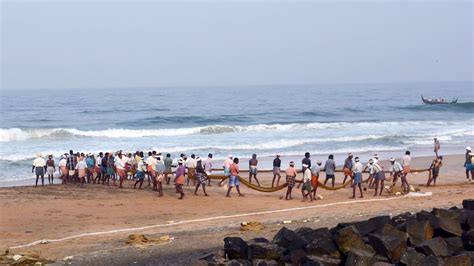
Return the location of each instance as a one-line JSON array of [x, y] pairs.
[[200, 178], [50, 170], [103, 170], [347, 172], [434, 172], [307, 186], [39, 171], [406, 169], [330, 176], [314, 181], [226, 171], [72, 172], [121, 173], [380, 175], [180, 180], [140, 175], [276, 170], [469, 167], [234, 181], [358, 178], [191, 172], [110, 171], [253, 170], [290, 181]]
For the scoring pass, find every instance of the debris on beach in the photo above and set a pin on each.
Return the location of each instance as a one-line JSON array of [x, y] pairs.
[[251, 226], [436, 237], [287, 222], [27, 258], [141, 241]]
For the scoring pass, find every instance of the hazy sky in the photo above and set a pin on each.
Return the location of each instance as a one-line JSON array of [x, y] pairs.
[[126, 44]]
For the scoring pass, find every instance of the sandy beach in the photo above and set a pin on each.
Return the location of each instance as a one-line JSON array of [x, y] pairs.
[[196, 224]]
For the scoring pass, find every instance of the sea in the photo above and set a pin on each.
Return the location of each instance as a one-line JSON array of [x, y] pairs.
[[240, 120]]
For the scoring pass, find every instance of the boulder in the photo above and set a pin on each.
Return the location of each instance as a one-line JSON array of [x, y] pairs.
[[449, 214], [419, 231], [391, 247], [288, 239], [266, 251], [378, 222], [469, 253], [436, 247], [390, 230], [321, 243], [468, 240], [258, 262], [467, 220], [459, 260], [468, 204], [402, 218], [298, 256], [359, 258], [454, 244], [348, 239], [322, 261], [235, 248], [214, 259], [411, 257]]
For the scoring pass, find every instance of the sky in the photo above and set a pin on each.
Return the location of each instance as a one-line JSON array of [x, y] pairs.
[[112, 44]]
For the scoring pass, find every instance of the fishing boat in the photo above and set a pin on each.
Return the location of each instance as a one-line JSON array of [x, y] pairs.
[[437, 100]]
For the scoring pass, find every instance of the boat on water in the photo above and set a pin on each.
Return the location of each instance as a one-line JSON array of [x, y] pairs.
[[430, 100]]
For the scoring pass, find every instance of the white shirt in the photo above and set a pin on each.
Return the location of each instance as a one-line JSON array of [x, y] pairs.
[[315, 169], [62, 162], [376, 168], [396, 167], [358, 167], [120, 163], [406, 160], [307, 175], [98, 160], [141, 166], [191, 163], [151, 161], [39, 162], [81, 165]]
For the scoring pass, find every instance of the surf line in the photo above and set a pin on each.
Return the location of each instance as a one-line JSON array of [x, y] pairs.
[[46, 241]]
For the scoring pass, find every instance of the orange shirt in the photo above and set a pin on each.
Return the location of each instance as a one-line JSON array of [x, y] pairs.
[[290, 171], [234, 169]]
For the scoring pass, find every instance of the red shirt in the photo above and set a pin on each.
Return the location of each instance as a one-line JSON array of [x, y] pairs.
[[234, 169]]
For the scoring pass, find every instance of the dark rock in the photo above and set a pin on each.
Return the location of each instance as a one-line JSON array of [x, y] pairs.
[[459, 260], [237, 263], [322, 261], [390, 230], [468, 240], [288, 239], [359, 258], [378, 223], [258, 262], [321, 243], [468, 204], [267, 251], [446, 214], [235, 248], [348, 239], [259, 240], [214, 259], [304, 232], [402, 218], [419, 231], [411, 257], [390, 246], [364, 227], [469, 253], [298, 256], [455, 245], [436, 247], [382, 263], [467, 220]]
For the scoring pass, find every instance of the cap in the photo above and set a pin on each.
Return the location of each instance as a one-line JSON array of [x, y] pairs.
[[292, 163], [230, 155], [468, 148], [180, 161], [198, 159], [392, 159], [350, 154], [376, 155], [357, 159], [318, 162]]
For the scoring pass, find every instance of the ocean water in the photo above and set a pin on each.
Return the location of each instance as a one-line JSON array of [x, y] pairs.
[[290, 120]]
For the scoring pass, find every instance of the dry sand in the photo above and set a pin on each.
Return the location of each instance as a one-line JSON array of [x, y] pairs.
[[28, 214]]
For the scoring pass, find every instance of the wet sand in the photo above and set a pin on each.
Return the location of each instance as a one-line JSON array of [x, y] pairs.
[[28, 214]]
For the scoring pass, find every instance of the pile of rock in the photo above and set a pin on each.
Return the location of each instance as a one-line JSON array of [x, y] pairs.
[[439, 237]]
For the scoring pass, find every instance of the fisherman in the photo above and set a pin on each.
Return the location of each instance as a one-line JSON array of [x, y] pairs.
[[396, 170], [434, 167], [141, 169], [315, 171], [468, 164], [168, 164], [330, 168], [379, 177], [110, 168], [71, 165], [201, 177], [357, 170], [81, 168], [151, 162], [179, 179], [290, 179], [50, 169], [103, 168], [160, 169], [253, 169], [39, 168], [98, 171], [234, 177], [90, 162], [191, 166], [406, 163], [63, 168], [276, 170], [437, 146], [226, 165], [120, 163], [306, 184], [208, 167], [347, 169]]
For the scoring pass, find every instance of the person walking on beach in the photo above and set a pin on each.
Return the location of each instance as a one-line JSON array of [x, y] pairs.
[[50, 169], [208, 168], [347, 169], [63, 168], [120, 164], [253, 169], [357, 169], [160, 169], [330, 168], [191, 167], [179, 179], [276, 170], [290, 179], [315, 171], [396, 170], [406, 163], [110, 169], [468, 165], [434, 167], [151, 162], [103, 168], [437, 146], [306, 188], [90, 161], [141, 169], [201, 177], [168, 172], [226, 165], [98, 170], [379, 177], [39, 168], [71, 165], [234, 177], [81, 168]]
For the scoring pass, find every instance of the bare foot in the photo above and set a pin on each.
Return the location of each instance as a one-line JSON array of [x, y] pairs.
[[361, 197], [207, 195], [353, 197]]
